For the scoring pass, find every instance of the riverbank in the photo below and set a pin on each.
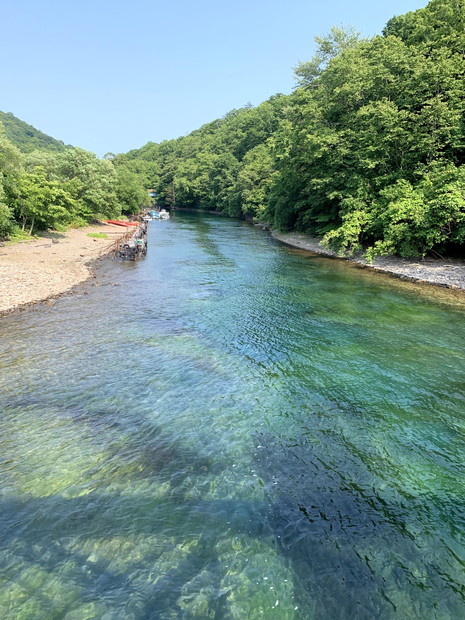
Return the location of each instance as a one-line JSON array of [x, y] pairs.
[[40, 269], [448, 273]]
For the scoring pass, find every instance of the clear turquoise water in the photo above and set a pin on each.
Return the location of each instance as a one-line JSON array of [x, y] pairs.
[[232, 429]]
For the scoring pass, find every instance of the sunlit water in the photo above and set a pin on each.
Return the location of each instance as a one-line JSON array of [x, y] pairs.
[[231, 429]]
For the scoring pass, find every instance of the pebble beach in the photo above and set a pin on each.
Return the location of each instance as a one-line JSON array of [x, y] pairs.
[[46, 267]]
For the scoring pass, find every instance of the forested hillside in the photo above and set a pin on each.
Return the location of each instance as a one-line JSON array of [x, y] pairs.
[[368, 151], [225, 165], [26, 137], [49, 188]]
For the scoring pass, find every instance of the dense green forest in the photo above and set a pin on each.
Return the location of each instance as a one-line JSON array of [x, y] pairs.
[[26, 137], [44, 184], [368, 152]]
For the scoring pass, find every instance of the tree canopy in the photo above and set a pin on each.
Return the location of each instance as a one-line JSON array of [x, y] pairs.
[[368, 152], [215, 167], [42, 189]]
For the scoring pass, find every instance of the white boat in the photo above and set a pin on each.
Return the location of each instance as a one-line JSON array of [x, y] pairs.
[[164, 215]]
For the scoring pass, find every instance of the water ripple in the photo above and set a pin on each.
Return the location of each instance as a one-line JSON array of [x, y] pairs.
[[235, 431]]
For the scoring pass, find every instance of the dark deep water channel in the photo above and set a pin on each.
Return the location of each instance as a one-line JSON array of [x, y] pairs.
[[237, 430]]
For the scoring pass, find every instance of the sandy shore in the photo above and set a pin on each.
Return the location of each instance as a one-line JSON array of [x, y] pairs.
[[32, 271], [443, 272]]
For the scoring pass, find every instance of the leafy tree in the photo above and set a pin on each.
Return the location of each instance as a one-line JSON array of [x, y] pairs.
[[44, 188], [358, 145], [130, 192], [415, 218], [10, 164], [5, 212], [43, 203], [249, 193], [328, 47], [200, 170], [368, 152], [90, 181], [43, 159]]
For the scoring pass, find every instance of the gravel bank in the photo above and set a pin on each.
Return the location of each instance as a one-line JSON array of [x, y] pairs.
[[449, 273], [37, 270]]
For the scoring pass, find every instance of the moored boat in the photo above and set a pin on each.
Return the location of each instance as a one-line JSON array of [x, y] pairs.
[[121, 223]]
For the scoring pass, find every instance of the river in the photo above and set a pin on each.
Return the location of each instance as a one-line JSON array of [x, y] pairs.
[[232, 429]]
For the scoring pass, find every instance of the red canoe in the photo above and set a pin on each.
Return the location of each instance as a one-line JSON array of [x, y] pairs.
[[120, 223]]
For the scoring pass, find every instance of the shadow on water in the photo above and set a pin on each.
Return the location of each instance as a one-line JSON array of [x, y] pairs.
[[205, 240], [98, 517], [78, 537], [345, 543], [130, 452], [188, 583], [349, 543]]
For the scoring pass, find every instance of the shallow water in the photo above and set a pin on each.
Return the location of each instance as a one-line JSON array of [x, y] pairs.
[[231, 429]]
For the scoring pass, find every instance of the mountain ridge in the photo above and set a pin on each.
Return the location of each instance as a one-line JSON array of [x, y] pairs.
[[26, 137]]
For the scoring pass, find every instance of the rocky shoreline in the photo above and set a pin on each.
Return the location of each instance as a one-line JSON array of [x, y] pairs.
[[449, 273]]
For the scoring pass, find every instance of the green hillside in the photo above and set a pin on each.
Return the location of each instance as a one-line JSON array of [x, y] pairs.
[[26, 137], [45, 184], [368, 152]]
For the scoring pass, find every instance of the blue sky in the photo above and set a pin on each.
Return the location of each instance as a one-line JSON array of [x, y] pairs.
[[110, 76]]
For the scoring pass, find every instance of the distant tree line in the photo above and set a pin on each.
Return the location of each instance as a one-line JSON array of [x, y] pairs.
[[368, 152], [54, 188]]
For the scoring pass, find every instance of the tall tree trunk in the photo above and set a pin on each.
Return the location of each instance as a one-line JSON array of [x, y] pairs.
[[32, 225]]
